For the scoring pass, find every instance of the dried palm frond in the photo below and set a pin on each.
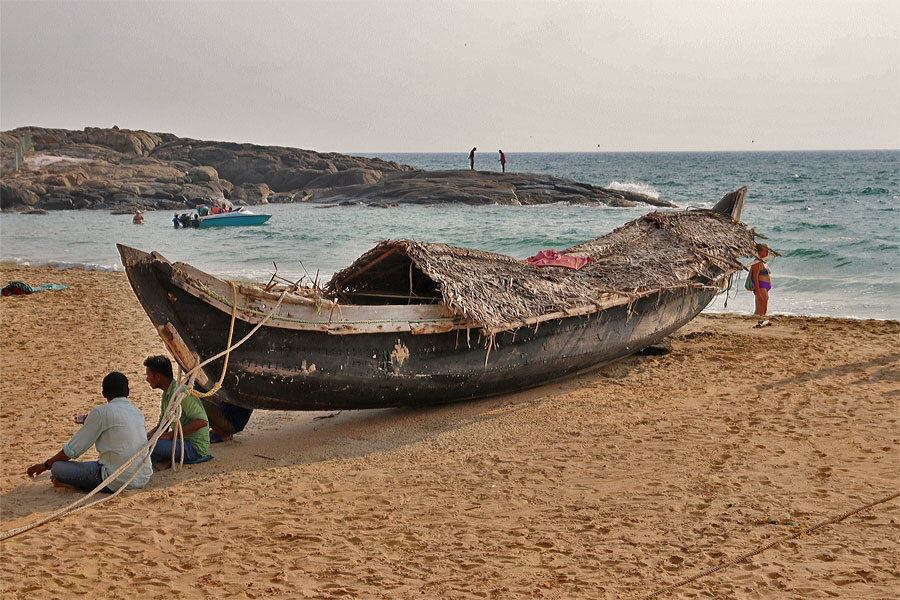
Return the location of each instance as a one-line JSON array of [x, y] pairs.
[[659, 251]]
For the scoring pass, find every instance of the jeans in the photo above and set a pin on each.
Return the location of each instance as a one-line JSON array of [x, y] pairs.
[[163, 451], [84, 475]]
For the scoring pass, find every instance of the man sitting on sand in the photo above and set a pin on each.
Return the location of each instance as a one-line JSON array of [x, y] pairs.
[[117, 429], [194, 422]]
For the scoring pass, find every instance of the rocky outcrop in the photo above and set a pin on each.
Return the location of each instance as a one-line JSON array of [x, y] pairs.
[[118, 169], [479, 187]]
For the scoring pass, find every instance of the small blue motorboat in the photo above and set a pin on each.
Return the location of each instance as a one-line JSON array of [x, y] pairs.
[[237, 217]]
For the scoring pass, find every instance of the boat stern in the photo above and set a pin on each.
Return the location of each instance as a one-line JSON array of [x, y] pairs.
[[731, 205]]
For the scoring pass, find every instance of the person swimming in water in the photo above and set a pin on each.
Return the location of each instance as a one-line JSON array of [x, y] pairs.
[[760, 280]]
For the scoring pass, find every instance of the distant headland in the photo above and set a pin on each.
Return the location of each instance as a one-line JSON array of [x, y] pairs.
[[129, 170]]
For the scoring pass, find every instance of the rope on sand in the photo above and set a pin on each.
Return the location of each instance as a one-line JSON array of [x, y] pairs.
[[761, 549], [172, 415]]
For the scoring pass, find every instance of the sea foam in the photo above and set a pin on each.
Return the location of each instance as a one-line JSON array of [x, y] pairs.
[[633, 186], [55, 264]]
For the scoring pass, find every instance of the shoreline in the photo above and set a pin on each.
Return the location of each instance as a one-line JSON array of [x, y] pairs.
[[614, 483], [56, 266]]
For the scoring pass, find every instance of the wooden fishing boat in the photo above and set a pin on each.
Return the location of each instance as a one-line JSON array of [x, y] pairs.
[[413, 324]]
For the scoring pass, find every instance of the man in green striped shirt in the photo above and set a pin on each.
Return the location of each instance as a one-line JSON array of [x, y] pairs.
[[194, 422]]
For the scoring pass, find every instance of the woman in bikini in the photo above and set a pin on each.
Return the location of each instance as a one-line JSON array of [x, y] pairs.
[[761, 280]]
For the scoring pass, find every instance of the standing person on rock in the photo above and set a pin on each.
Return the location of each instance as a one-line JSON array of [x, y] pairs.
[[502, 160], [472, 159]]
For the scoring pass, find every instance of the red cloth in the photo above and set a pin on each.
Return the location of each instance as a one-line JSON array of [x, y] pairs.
[[552, 258], [14, 291]]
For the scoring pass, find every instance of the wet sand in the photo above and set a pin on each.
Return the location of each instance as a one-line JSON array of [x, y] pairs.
[[612, 485]]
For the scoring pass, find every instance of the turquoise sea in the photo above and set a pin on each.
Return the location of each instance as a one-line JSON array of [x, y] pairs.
[[834, 217]]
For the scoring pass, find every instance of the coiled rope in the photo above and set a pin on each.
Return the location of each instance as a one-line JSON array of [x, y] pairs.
[[172, 415], [772, 544]]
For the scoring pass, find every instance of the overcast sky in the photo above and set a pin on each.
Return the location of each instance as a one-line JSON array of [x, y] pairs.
[[423, 76]]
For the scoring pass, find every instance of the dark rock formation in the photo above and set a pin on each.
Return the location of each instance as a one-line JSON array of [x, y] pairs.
[[481, 187], [117, 169]]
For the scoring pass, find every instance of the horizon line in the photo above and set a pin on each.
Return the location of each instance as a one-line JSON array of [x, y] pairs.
[[349, 153]]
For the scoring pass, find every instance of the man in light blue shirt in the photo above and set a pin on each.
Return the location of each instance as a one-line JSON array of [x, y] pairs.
[[118, 430]]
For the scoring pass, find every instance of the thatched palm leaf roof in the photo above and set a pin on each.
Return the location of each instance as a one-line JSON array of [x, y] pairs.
[[661, 250]]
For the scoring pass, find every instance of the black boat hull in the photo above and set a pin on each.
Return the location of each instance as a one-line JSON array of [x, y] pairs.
[[289, 369]]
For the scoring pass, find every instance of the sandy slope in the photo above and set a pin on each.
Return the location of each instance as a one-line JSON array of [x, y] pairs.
[[609, 486]]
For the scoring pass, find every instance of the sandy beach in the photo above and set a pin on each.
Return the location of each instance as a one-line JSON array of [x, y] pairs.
[[612, 485]]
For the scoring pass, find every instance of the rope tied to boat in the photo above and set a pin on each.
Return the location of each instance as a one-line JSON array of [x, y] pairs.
[[218, 385], [171, 416]]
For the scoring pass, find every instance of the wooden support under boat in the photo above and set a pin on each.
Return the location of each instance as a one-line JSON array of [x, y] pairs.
[[187, 359]]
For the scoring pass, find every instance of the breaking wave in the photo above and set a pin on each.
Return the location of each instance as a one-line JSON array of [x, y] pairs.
[[55, 264], [637, 187]]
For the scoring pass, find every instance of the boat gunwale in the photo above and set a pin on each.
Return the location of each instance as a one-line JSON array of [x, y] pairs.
[[192, 283], [335, 323]]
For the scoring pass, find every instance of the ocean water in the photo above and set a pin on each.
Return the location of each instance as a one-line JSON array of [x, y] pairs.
[[833, 216]]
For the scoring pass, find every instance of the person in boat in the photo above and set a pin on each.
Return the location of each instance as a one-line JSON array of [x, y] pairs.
[[760, 280], [194, 422], [117, 430], [138, 218], [176, 221]]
